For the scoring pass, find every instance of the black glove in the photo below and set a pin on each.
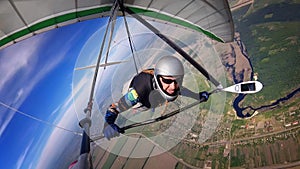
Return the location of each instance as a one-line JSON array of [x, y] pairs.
[[110, 128], [111, 115], [203, 96]]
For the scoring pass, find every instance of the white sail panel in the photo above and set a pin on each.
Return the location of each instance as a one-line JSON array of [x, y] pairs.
[[29, 17]]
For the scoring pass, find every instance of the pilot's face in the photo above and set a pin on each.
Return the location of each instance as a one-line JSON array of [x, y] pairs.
[[169, 84]]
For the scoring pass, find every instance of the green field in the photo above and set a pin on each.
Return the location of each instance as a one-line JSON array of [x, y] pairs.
[[270, 31], [273, 48]]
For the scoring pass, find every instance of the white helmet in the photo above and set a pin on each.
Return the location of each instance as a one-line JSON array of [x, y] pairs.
[[168, 66]]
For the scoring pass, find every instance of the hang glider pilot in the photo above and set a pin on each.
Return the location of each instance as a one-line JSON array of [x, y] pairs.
[[166, 78]]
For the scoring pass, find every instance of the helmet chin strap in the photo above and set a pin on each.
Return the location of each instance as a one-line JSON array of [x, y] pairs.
[[154, 84]]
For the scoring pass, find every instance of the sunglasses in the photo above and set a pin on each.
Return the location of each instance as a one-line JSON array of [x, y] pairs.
[[169, 81]]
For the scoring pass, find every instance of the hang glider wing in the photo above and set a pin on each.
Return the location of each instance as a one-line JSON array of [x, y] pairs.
[[23, 19]]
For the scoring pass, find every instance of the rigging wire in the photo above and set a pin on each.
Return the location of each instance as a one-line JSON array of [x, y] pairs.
[[90, 103], [112, 21], [132, 48], [175, 47], [85, 160], [39, 120]]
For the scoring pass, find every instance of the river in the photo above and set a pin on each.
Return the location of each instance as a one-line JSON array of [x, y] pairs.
[[240, 110]]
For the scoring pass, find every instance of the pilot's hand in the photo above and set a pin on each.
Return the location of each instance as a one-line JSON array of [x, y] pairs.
[[203, 96], [110, 128]]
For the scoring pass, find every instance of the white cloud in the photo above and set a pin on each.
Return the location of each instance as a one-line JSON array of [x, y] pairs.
[[24, 154], [26, 60], [23, 59], [19, 94], [15, 58], [73, 104], [5, 119], [54, 144], [68, 120], [12, 62]]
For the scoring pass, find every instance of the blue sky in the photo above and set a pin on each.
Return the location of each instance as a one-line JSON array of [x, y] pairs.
[[36, 79], [42, 96]]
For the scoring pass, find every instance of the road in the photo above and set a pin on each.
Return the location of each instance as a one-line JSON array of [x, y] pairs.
[[223, 142]]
